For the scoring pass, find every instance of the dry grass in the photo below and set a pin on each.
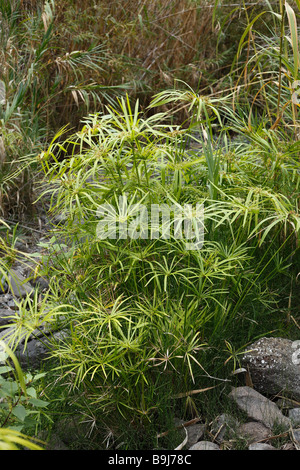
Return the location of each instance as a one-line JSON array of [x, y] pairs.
[[150, 43], [61, 60]]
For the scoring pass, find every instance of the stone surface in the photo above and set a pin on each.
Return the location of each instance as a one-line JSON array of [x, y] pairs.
[[7, 301], [5, 314], [195, 433], [294, 415], [224, 426], [296, 435], [205, 445], [254, 431], [261, 446], [40, 283], [259, 407], [18, 285], [273, 366], [37, 348]]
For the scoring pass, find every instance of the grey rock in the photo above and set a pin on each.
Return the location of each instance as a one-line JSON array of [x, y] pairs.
[[38, 346], [296, 435], [259, 407], [195, 433], [5, 313], [254, 431], [261, 446], [205, 445], [7, 301], [272, 366], [294, 415], [224, 425], [40, 283], [18, 285]]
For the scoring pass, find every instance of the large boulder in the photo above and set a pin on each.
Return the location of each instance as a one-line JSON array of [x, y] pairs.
[[274, 366], [254, 431], [31, 353], [259, 407]]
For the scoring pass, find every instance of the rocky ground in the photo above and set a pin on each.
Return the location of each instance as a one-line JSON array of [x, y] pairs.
[[257, 433], [270, 425]]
